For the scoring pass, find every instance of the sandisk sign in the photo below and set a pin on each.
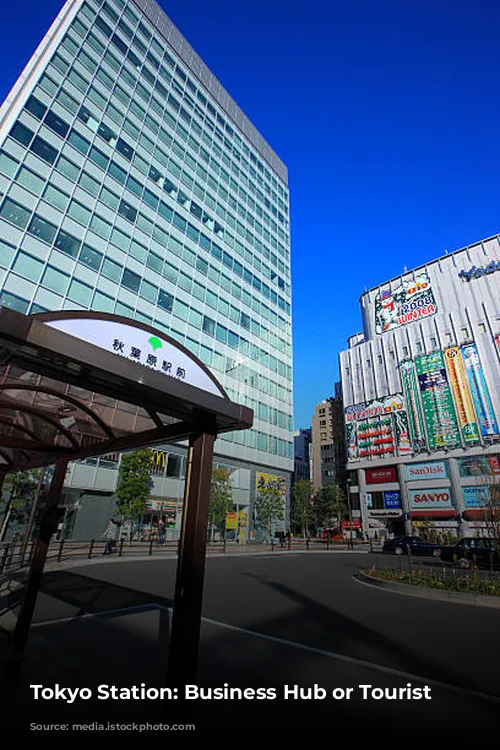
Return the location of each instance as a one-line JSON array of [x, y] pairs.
[[435, 499], [382, 475], [431, 470]]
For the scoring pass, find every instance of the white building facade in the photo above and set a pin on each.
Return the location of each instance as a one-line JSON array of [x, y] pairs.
[[421, 387]]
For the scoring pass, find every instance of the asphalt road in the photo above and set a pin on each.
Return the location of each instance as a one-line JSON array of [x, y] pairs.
[[270, 621]]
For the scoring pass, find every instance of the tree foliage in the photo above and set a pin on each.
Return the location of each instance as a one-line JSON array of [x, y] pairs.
[[134, 483], [329, 505], [22, 486], [221, 498], [269, 506], [303, 510]]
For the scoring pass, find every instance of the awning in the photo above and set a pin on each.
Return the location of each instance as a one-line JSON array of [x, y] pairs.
[[448, 513]]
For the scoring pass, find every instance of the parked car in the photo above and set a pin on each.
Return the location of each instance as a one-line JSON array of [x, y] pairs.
[[418, 546], [469, 551]]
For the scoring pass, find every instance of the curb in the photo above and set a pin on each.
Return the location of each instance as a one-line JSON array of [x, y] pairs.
[[424, 592]]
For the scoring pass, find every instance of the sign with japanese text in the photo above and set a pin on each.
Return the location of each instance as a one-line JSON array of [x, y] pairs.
[[265, 481], [411, 300], [439, 412], [140, 346], [377, 428], [461, 393], [480, 393]]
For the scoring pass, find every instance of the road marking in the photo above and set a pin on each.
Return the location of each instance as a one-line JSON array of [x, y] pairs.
[[293, 644]]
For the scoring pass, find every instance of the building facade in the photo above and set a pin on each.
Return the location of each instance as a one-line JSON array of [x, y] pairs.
[[302, 441], [131, 183], [328, 442], [421, 387]]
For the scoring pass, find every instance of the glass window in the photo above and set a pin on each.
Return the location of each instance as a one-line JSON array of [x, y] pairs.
[[90, 257], [79, 212], [149, 291], [170, 273], [131, 280], [101, 227], [165, 300], [27, 266], [80, 293], [36, 107], [124, 149], [138, 251], [55, 280], [56, 124], [208, 325], [68, 168], [117, 173], [13, 212], [8, 165], [98, 158], [30, 180], [44, 150], [173, 465], [13, 302], [89, 184], [111, 270], [109, 199], [67, 101], [21, 133], [128, 211], [102, 302], [56, 197], [67, 244], [81, 144]]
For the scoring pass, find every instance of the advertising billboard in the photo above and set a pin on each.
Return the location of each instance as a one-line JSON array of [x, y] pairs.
[[462, 396], [476, 497], [432, 499], [381, 476], [411, 300], [392, 499], [415, 418], [266, 481], [377, 428], [439, 412], [480, 393]]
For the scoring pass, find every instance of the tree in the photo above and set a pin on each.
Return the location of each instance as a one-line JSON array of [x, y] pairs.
[[329, 505], [491, 514], [23, 485], [269, 506], [303, 511], [134, 483], [221, 499]]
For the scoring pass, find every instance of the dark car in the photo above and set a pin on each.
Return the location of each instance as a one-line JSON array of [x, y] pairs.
[[469, 551], [418, 546]]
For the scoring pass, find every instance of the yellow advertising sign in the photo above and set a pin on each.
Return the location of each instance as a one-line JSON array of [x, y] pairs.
[[231, 521], [159, 459], [242, 526], [266, 481], [462, 396]]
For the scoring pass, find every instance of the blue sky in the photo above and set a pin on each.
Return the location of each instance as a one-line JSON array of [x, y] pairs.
[[387, 117]]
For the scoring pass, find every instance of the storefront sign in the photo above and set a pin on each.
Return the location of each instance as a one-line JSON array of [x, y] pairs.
[[415, 419], [475, 466], [480, 393], [439, 412], [368, 499], [231, 521], [350, 524], [382, 475], [433, 499], [427, 470], [412, 300], [462, 396], [476, 497], [477, 272], [139, 346], [384, 513], [392, 499]]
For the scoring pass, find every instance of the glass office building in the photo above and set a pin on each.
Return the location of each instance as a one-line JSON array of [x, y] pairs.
[[131, 183]]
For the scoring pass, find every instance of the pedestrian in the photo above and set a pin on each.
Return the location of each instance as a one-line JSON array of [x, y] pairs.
[[161, 532], [110, 537]]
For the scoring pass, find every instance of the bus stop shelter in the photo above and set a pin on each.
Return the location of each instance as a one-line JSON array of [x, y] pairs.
[[80, 384]]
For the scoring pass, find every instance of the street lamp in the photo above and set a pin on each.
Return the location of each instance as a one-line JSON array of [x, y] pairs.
[[350, 542]]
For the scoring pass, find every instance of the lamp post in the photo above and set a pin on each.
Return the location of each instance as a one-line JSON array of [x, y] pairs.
[[350, 544]]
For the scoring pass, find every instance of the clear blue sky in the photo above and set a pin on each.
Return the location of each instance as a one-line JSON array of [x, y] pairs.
[[387, 116]]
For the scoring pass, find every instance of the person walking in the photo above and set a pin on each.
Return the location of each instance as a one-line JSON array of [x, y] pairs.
[[110, 537]]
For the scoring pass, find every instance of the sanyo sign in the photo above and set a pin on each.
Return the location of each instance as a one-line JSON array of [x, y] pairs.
[[435, 499]]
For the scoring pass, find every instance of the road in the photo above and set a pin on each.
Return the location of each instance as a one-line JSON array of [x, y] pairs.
[[269, 621]]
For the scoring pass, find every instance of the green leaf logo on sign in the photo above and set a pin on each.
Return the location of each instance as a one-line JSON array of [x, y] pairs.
[[155, 343]]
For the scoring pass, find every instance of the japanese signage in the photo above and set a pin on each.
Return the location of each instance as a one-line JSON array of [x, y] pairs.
[[377, 428], [415, 419], [384, 513], [427, 470], [266, 481], [476, 497], [231, 521], [434, 499], [439, 412], [380, 476], [412, 300], [350, 524], [140, 346], [392, 499], [480, 394], [461, 393]]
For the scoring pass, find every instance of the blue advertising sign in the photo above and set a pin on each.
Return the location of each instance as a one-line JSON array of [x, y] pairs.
[[479, 390], [476, 497], [392, 499]]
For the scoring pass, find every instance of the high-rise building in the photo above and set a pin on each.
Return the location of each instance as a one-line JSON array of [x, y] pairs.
[[421, 387], [131, 183], [302, 454], [328, 442]]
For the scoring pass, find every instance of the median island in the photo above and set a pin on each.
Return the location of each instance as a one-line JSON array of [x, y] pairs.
[[468, 583]]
